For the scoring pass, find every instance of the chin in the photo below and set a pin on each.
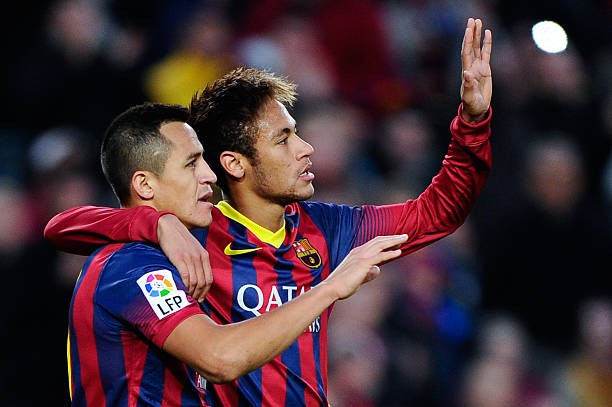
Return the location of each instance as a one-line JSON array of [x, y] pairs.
[[203, 220]]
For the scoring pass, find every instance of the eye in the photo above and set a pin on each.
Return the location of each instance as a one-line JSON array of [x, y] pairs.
[[283, 141], [191, 164]]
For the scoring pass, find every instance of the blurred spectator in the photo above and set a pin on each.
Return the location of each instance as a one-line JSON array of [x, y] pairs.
[[358, 355], [428, 327], [66, 77], [545, 258], [588, 381], [408, 154], [504, 371], [378, 86], [353, 44], [336, 131], [290, 47], [202, 53]]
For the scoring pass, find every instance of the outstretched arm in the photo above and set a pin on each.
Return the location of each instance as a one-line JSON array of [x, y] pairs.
[[222, 353], [83, 229], [446, 203]]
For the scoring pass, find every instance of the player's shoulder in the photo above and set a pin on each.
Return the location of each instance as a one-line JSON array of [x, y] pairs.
[[137, 255], [318, 208]]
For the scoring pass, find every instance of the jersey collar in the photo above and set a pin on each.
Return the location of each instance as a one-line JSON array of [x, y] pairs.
[[265, 235]]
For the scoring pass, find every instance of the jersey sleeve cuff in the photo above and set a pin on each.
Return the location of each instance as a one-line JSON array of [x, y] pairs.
[[468, 134], [143, 226], [159, 338]]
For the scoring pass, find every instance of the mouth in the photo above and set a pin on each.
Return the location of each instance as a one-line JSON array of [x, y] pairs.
[[307, 175], [205, 198]]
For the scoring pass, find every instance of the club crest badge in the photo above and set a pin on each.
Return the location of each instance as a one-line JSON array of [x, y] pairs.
[[306, 253]]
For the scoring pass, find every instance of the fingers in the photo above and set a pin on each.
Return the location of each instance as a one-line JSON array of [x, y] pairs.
[[381, 243], [477, 38], [193, 278], [471, 49], [200, 275], [380, 249], [486, 47], [372, 274], [467, 55], [208, 276]]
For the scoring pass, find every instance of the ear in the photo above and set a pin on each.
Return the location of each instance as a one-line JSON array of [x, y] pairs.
[[233, 163], [143, 183]]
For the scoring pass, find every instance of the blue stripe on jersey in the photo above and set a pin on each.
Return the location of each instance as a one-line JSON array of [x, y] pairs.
[[338, 224], [201, 234], [295, 383], [111, 360], [187, 399], [316, 336], [291, 356], [154, 372], [78, 395], [246, 275]]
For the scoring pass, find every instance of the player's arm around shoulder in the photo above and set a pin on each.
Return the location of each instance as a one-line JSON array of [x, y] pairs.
[[141, 289], [222, 353]]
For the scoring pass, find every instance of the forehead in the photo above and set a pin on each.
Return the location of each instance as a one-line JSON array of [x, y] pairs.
[[182, 136], [272, 118]]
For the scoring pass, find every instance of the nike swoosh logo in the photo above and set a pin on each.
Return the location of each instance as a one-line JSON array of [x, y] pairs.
[[231, 252]]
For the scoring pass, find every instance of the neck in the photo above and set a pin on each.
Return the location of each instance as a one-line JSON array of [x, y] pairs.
[[266, 214], [134, 202]]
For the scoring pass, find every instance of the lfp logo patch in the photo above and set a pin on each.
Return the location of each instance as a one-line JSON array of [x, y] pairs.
[[306, 253], [161, 293]]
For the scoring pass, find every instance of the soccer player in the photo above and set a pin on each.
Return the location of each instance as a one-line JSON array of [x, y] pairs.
[[267, 244], [135, 336]]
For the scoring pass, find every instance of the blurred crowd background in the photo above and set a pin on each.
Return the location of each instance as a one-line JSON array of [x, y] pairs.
[[514, 309]]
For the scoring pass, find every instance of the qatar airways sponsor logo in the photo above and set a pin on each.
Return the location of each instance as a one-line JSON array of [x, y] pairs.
[[252, 298]]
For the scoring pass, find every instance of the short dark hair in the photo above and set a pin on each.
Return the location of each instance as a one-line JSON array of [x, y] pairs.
[[133, 142], [224, 113]]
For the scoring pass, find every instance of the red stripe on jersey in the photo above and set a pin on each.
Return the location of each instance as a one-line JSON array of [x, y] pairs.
[[274, 381], [317, 241], [84, 332], [273, 373], [134, 355], [221, 304], [221, 310], [172, 386], [309, 372]]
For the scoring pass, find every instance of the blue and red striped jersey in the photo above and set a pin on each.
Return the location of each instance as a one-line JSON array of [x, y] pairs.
[[127, 300], [256, 270]]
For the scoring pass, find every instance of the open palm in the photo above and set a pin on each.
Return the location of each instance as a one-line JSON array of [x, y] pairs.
[[476, 83]]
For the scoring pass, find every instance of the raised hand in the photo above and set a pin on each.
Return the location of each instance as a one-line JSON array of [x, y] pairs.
[[187, 254], [476, 83]]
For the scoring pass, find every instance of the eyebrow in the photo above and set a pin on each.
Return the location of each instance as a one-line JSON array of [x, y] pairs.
[[284, 131], [193, 155]]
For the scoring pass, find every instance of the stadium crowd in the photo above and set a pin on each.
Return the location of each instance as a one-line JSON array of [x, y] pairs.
[[513, 309]]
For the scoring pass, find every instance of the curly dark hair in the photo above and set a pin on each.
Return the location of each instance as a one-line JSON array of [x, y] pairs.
[[224, 113]]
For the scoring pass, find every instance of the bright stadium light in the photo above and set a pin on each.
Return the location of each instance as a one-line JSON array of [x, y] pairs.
[[549, 37]]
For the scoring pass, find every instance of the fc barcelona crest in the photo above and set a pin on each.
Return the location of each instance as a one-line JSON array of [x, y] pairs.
[[306, 253]]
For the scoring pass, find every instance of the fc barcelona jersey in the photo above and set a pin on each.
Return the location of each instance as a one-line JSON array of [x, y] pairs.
[[256, 270], [127, 300]]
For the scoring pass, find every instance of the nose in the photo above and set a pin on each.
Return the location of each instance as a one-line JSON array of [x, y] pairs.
[[206, 175], [305, 149]]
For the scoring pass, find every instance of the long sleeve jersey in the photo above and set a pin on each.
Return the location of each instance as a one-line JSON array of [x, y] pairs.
[[256, 270]]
